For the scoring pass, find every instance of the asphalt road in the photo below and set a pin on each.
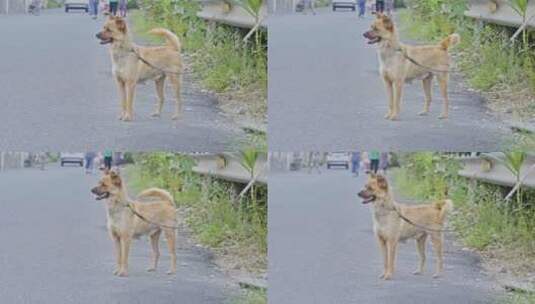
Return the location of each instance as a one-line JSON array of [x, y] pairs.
[[325, 93], [55, 249], [322, 250], [57, 93]]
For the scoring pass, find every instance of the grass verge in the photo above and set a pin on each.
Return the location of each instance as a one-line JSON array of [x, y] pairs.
[[504, 232], [217, 54], [503, 72], [236, 230]]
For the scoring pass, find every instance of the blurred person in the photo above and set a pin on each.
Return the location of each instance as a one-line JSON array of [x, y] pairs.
[[310, 4], [89, 162], [379, 6], [93, 8], [123, 7], [384, 161], [355, 163], [108, 159], [362, 8], [113, 7], [389, 6], [374, 161]]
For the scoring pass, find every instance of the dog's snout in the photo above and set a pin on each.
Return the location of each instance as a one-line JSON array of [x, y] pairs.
[[361, 193], [94, 190]]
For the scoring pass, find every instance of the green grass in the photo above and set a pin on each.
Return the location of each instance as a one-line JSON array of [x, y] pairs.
[[485, 55], [481, 218], [219, 57], [251, 297], [215, 217], [518, 298]]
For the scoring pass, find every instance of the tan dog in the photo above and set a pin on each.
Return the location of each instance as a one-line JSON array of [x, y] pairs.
[[124, 225], [132, 64], [390, 228], [400, 63]]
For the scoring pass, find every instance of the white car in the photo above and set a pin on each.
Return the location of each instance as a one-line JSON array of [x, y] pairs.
[[76, 4], [72, 158], [352, 4], [338, 159]]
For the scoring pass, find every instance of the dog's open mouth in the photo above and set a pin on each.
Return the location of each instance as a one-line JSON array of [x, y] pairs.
[[102, 196], [372, 38], [366, 198], [106, 41]]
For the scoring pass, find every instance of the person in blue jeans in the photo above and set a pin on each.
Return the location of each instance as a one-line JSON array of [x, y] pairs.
[[89, 157], [362, 8], [93, 8], [355, 163]]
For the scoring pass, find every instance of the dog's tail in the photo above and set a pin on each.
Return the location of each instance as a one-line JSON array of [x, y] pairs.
[[445, 206], [172, 39], [450, 41], [159, 193]]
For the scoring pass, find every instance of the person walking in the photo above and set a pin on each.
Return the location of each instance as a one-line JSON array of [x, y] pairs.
[[113, 7], [89, 158], [362, 8], [93, 8], [383, 162], [108, 159], [123, 6], [374, 161], [355, 163], [314, 162], [389, 6], [379, 6], [310, 4]]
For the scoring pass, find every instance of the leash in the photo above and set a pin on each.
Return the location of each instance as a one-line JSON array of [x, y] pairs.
[[133, 50], [402, 51], [419, 226], [147, 220]]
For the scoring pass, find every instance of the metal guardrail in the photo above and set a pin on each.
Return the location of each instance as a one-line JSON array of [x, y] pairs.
[[227, 166], [498, 12], [226, 13], [490, 171]]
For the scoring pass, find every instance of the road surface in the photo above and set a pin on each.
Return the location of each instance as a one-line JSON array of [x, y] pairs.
[[325, 93], [322, 250], [55, 249], [58, 94]]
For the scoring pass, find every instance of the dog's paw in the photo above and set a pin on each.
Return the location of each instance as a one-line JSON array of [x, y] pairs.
[[443, 116], [116, 272], [123, 273], [175, 116], [423, 113], [417, 272], [155, 114], [436, 275], [151, 269], [387, 276], [387, 116], [171, 271]]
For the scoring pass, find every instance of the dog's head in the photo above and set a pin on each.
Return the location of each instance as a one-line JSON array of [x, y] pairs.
[[382, 28], [114, 29], [109, 185], [375, 189]]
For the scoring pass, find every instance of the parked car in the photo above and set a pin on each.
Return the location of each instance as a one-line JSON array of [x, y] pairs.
[[352, 4], [338, 159], [72, 158], [76, 4]]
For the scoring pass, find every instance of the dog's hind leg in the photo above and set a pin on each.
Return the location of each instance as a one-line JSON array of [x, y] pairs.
[[390, 93], [176, 82], [443, 85], [170, 235], [427, 82], [160, 92], [154, 242], [420, 245], [437, 240]]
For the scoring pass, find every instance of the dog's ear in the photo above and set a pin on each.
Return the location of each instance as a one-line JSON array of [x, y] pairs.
[[382, 182], [387, 22], [115, 179], [121, 25]]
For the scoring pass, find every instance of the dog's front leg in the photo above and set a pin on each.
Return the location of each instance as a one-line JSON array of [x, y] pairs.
[[130, 94], [443, 85], [382, 247], [398, 94], [390, 95], [391, 246], [122, 97], [117, 248], [125, 248]]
